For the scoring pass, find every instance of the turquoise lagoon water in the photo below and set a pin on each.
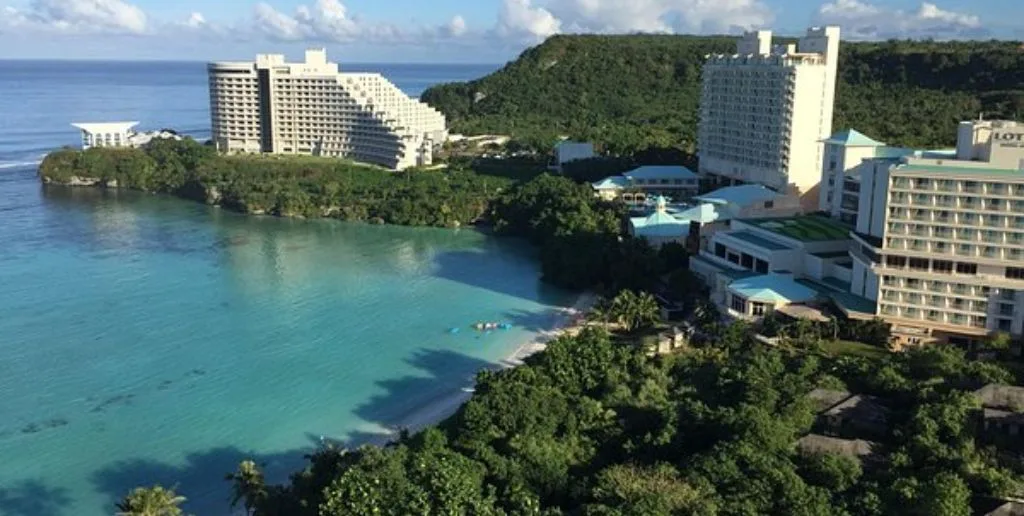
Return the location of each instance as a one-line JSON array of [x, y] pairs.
[[147, 339]]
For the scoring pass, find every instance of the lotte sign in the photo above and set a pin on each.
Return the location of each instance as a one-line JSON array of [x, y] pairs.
[[1008, 140]]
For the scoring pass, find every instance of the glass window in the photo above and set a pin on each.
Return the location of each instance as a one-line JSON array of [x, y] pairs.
[[757, 309], [739, 304], [942, 266], [966, 268], [1014, 273]]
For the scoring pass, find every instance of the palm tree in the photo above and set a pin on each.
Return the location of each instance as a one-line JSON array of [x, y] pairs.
[[634, 311], [248, 486], [151, 501]]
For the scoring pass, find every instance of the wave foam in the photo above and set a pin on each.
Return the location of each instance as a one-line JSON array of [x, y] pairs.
[[19, 164]]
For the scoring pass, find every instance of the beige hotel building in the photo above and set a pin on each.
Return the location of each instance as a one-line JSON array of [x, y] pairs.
[[272, 106], [939, 238], [765, 109]]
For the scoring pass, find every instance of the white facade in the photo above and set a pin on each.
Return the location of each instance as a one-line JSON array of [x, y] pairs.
[[939, 242], [765, 110], [106, 134], [277, 107], [566, 151]]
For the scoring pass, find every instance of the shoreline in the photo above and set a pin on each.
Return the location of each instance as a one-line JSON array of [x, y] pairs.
[[444, 406]]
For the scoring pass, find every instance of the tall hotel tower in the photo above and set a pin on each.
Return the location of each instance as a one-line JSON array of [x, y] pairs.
[[765, 110], [271, 106]]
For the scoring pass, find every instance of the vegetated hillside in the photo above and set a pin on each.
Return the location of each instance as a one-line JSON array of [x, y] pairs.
[[631, 92]]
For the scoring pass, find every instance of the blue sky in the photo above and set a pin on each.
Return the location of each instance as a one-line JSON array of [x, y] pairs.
[[474, 31]]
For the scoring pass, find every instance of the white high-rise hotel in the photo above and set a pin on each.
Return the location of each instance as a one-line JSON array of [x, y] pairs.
[[939, 239], [276, 107], [765, 110]]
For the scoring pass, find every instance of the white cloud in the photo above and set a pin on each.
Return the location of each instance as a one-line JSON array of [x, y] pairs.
[[862, 20], [670, 16], [196, 21], [79, 16], [521, 19], [457, 26]]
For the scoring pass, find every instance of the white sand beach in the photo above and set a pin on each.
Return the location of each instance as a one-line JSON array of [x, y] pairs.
[[436, 411]]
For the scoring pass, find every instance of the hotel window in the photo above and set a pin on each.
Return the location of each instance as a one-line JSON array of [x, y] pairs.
[[934, 315], [746, 261], [940, 247], [942, 266], [966, 268], [720, 250], [1014, 273], [919, 264], [757, 309], [739, 304], [913, 283], [965, 249], [1005, 325], [895, 261]]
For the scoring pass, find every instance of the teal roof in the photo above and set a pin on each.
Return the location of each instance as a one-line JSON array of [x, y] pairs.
[[611, 183], [661, 172], [852, 138], [838, 292], [703, 213], [759, 241], [952, 169], [772, 288], [805, 228], [740, 195], [660, 224]]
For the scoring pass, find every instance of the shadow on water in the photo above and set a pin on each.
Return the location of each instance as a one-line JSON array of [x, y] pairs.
[[32, 498], [200, 477], [468, 268], [410, 398]]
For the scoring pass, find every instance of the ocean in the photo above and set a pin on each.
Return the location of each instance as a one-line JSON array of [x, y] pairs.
[[146, 339]]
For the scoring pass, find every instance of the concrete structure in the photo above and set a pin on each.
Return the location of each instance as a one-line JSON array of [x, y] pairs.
[[1002, 413], [939, 241], [808, 250], [634, 187], [567, 150], [119, 134], [271, 106], [106, 134], [765, 110]]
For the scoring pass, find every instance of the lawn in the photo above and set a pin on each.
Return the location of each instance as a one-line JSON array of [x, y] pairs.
[[851, 348], [806, 228]]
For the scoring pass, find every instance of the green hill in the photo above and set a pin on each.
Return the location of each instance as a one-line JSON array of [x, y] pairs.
[[631, 92]]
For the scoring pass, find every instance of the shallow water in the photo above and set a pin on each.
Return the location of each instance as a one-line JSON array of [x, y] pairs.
[[147, 339]]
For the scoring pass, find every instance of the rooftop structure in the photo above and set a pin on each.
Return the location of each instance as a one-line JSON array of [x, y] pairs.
[[805, 228], [999, 396], [105, 134], [273, 106], [660, 227], [567, 151], [853, 448], [939, 238], [765, 110], [637, 185], [794, 260]]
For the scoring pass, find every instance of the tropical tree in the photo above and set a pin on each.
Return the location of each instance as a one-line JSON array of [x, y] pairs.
[[248, 486], [633, 310], [151, 501]]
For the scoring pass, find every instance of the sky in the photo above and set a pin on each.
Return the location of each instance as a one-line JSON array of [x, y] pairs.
[[449, 31]]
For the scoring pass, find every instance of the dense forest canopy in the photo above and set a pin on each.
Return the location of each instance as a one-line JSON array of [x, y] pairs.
[[632, 92]]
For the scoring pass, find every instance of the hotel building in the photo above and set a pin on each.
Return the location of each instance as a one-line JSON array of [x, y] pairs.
[[939, 239], [272, 106], [765, 110]]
